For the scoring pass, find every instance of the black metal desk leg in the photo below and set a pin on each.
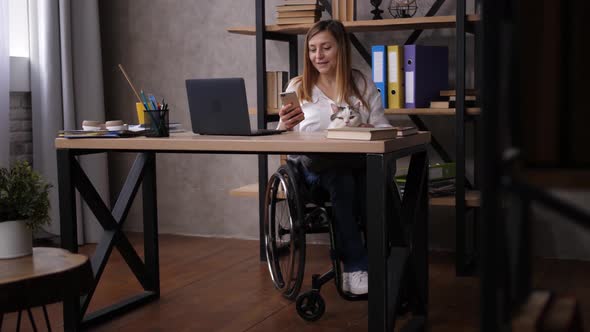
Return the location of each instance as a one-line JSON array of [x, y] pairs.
[[416, 209], [377, 242], [150, 224], [68, 229]]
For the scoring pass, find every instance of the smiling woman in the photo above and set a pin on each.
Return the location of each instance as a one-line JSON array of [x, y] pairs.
[[329, 82]]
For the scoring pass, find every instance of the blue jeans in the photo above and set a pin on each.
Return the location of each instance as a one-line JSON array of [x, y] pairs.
[[347, 194]]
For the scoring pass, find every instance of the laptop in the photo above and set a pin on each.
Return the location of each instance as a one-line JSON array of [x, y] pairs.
[[218, 106]]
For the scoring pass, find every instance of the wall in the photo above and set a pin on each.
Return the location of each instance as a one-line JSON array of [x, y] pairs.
[[21, 141], [189, 40]]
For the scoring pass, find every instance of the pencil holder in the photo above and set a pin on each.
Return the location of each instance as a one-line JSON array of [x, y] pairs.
[[159, 124]]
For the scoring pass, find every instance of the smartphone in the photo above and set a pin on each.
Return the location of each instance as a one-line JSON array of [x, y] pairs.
[[290, 98]]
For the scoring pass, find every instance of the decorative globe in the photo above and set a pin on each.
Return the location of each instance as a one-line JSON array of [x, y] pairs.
[[403, 8]]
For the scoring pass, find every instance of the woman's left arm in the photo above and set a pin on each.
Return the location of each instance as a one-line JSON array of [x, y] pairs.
[[376, 113]]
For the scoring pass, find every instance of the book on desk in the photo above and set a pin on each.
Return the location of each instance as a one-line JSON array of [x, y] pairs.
[[370, 134]]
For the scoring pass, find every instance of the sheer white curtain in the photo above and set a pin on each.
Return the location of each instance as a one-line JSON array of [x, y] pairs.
[[4, 86], [66, 88]]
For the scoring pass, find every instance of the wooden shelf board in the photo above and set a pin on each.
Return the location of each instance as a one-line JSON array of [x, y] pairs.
[[398, 111], [412, 23], [471, 197], [249, 190], [563, 178]]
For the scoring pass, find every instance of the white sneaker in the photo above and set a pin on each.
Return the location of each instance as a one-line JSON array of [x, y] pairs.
[[346, 282], [355, 282]]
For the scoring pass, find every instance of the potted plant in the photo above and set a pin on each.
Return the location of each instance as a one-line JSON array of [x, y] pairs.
[[24, 207]]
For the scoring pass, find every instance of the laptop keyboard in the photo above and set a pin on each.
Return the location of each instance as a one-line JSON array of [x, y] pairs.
[[266, 131]]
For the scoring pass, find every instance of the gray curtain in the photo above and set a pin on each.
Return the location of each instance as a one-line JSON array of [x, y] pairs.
[[66, 88], [4, 86]]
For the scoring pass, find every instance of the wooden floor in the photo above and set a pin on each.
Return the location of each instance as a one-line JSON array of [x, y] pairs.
[[211, 284]]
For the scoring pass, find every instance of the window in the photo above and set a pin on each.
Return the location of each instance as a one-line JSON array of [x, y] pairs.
[[18, 40], [18, 28]]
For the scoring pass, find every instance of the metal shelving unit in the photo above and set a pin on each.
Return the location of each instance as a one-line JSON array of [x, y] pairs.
[[464, 199]]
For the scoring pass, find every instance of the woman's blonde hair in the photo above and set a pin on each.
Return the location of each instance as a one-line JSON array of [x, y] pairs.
[[345, 87]]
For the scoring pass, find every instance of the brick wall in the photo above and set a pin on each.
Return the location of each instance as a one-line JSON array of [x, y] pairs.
[[21, 138]]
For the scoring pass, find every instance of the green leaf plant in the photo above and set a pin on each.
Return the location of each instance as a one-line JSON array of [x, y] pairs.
[[24, 195]]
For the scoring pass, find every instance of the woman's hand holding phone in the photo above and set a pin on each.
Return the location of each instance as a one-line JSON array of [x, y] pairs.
[[290, 113]]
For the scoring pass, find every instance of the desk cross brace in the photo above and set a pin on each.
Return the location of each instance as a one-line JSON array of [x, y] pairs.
[[70, 176]]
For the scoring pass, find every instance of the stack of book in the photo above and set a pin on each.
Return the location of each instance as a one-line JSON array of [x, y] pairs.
[[298, 12], [344, 10], [276, 82], [441, 180], [448, 98]]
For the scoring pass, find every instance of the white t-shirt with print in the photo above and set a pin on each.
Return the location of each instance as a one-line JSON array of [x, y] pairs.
[[318, 111]]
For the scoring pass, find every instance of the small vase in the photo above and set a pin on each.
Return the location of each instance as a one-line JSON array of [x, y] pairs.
[[16, 239]]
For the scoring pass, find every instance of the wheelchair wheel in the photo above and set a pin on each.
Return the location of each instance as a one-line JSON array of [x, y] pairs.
[[283, 233], [310, 305]]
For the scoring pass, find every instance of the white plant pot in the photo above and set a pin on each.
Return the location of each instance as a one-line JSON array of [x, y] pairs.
[[16, 239]]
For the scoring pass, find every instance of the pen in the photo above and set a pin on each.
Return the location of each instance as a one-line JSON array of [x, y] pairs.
[[147, 108], [144, 101], [153, 101]]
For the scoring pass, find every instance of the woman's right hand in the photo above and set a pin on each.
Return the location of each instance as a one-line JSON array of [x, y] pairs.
[[290, 116]]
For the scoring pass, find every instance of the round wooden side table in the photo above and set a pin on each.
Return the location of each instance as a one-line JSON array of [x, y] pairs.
[[42, 278]]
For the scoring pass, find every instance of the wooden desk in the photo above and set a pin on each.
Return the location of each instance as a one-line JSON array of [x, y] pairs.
[[397, 229], [47, 276]]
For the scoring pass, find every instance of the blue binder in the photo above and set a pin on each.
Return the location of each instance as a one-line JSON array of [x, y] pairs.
[[379, 65]]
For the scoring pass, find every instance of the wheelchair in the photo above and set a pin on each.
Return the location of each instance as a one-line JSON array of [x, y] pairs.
[[294, 209]]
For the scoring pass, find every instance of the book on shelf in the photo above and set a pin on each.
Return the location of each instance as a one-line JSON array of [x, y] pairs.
[[271, 90], [436, 172], [300, 2], [292, 8], [448, 93], [405, 131], [282, 82], [362, 133], [451, 104], [344, 10], [276, 82], [444, 187], [297, 20], [350, 10], [467, 97], [299, 13]]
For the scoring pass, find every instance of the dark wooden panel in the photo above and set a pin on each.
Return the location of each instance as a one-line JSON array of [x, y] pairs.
[[552, 71]]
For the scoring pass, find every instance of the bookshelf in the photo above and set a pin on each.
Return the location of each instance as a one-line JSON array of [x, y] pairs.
[[467, 196], [413, 23]]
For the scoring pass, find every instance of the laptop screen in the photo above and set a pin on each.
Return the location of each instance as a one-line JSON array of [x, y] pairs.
[[218, 106]]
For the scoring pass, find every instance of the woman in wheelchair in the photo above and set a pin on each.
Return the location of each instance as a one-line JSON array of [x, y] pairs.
[[328, 78]]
